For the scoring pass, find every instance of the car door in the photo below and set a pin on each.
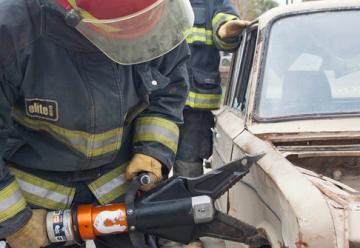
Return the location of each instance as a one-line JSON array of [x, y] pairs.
[[230, 119], [268, 197]]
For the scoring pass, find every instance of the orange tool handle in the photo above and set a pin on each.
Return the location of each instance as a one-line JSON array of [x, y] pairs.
[[95, 221]]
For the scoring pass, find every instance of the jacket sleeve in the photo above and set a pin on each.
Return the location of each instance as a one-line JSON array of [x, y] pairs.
[[14, 212], [156, 128], [223, 12]]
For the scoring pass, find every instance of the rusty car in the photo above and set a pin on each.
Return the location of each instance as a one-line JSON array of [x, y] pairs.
[[294, 96]]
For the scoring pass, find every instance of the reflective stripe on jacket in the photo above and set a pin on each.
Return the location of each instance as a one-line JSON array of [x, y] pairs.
[[43, 193], [50, 195], [155, 129], [65, 106], [110, 186], [11, 201], [205, 88]]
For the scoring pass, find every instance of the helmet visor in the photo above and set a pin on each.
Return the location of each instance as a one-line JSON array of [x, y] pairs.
[[142, 36]]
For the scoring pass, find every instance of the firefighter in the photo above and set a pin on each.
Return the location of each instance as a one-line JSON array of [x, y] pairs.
[[217, 27], [91, 92]]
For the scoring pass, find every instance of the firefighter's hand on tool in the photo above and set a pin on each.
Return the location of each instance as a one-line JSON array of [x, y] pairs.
[[33, 234], [143, 163], [232, 28]]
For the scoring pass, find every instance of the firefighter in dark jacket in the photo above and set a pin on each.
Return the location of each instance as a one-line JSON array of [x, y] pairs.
[[91, 92], [217, 27]]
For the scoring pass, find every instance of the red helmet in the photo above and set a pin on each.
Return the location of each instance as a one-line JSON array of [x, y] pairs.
[[115, 9], [109, 9], [138, 26]]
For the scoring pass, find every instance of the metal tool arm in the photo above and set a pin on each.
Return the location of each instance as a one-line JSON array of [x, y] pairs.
[[182, 209]]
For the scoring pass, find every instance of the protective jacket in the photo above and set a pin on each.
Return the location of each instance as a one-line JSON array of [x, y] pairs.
[[205, 88], [66, 107]]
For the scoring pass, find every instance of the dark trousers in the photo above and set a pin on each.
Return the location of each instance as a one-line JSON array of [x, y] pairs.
[[195, 142]]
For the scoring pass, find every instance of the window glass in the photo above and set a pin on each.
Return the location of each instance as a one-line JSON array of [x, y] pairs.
[[312, 66], [245, 71], [235, 70]]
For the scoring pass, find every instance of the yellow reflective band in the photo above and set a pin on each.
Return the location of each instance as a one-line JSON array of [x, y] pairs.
[[205, 96], [220, 18], [205, 32], [43, 193], [200, 35], [110, 186], [156, 129], [91, 145], [203, 101], [11, 201], [194, 39]]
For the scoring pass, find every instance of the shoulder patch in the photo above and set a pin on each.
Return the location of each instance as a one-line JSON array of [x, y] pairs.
[[42, 108]]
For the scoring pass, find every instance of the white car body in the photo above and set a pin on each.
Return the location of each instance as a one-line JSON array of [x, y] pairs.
[[304, 191]]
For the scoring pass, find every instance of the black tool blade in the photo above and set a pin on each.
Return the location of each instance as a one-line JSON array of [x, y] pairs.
[[216, 182], [228, 228]]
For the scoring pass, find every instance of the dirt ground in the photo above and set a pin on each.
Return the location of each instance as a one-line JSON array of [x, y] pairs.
[[208, 243]]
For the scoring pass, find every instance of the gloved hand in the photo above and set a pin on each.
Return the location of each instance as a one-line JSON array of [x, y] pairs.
[[232, 28], [33, 234], [143, 163]]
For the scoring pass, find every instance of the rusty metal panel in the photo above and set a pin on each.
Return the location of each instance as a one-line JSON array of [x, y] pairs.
[[222, 202], [285, 193], [354, 224], [228, 126]]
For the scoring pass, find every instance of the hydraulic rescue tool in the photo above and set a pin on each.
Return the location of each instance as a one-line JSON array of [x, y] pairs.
[[179, 209]]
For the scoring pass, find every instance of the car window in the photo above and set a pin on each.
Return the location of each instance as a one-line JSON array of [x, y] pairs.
[[245, 64], [313, 69], [234, 72]]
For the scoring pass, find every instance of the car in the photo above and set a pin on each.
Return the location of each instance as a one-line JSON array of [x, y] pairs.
[[293, 96]]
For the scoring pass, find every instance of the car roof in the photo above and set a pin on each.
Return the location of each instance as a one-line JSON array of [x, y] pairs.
[[306, 7]]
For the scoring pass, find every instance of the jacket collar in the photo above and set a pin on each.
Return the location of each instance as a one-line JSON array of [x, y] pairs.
[[55, 28]]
